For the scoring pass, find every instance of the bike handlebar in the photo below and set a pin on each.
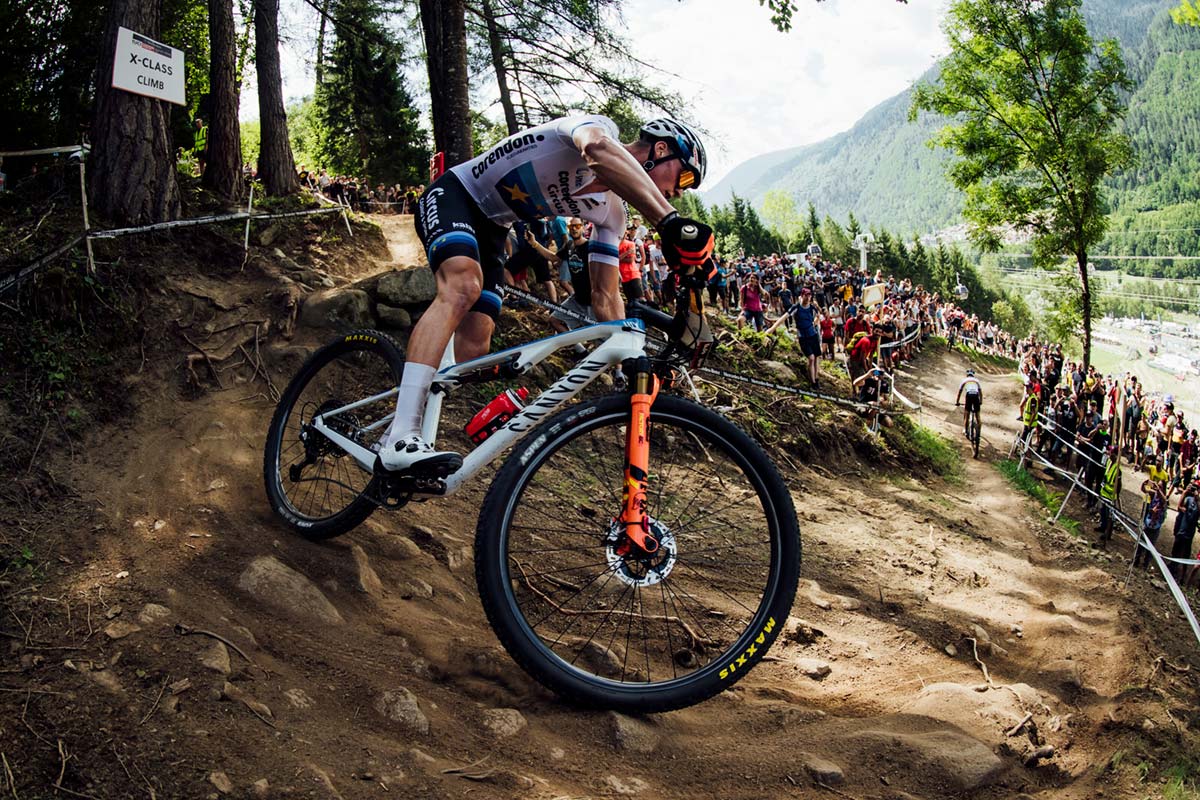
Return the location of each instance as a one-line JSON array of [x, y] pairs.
[[654, 318]]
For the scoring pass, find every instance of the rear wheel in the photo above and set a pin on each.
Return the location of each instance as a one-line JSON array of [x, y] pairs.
[[318, 489], [601, 626], [975, 432]]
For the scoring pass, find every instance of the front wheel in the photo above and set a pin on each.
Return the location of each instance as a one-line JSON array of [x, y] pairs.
[[591, 619]]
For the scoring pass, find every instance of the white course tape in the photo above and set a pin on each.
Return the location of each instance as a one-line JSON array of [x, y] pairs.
[[1134, 531], [45, 151], [209, 220], [14, 278]]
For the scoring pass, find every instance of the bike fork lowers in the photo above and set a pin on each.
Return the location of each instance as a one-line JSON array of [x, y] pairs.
[[644, 385]]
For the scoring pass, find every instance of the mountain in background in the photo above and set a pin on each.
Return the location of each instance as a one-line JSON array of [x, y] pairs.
[[883, 170]]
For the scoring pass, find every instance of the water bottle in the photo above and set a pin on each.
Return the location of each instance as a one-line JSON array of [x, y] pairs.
[[492, 417]]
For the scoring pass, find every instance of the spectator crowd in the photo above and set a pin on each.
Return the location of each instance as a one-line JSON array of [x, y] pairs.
[[1089, 423]]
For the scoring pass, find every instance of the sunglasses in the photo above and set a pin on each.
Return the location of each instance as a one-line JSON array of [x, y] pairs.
[[688, 175]]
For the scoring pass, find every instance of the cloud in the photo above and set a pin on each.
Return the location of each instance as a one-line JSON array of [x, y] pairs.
[[758, 90]]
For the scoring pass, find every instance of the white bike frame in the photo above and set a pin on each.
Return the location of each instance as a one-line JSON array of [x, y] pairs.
[[619, 341]]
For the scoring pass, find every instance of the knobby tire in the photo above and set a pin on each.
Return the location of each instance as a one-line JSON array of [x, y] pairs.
[[523, 510]]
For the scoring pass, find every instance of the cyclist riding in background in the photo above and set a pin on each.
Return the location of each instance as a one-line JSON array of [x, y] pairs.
[[974, 391], [574, 167]]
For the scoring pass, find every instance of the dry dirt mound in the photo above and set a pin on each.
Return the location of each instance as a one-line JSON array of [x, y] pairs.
[[177, 642]]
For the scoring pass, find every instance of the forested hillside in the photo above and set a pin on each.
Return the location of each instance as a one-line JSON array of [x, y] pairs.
[[882, 170]]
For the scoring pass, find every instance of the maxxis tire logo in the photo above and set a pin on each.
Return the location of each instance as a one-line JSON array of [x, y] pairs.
[[743, 661]]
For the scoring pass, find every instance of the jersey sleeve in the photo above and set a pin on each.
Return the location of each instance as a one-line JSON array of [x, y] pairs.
[[567, 126]]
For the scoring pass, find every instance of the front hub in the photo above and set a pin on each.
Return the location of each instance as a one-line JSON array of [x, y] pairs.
[[630, 564]]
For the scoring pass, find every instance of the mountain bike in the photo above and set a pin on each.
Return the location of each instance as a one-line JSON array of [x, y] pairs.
[[973, 430], [635, 551]]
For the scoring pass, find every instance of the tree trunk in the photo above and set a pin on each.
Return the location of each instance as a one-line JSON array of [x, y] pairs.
[[276, 168], [132, 164], [1086, 301], [319, 68], [445, 27], [497, 48], [223, 174]]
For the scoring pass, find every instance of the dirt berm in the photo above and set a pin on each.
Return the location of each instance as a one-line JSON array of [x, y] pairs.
[[164, 636]]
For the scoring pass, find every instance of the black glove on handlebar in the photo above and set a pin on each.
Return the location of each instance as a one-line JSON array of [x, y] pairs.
[[685, 242]]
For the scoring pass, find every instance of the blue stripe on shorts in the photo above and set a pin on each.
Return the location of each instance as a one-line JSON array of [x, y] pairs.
[[491, 299], [604, 249], [454, 238]]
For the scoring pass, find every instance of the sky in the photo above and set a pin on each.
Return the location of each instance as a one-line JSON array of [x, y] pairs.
[[753, 88]]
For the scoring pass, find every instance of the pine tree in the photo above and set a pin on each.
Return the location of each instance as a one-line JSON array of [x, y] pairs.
[[369, 127]]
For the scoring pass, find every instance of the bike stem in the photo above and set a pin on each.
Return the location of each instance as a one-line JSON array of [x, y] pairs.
[[645, 385]]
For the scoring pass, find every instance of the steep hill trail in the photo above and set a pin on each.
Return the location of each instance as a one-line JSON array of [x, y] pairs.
[[366, 667]]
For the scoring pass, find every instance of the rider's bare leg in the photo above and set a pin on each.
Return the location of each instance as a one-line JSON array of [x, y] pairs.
[[459, 283], [606, 293], [473, 337]]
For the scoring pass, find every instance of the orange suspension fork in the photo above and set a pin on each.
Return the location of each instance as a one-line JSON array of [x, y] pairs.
[[637, 461]]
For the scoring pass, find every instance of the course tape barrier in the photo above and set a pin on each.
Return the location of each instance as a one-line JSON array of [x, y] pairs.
[[15, 277], [209, 220], [909, 337], [1133, 529], [44, 151]]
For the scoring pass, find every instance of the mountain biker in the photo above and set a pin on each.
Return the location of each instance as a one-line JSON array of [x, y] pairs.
[[574, 166], [974, 390]]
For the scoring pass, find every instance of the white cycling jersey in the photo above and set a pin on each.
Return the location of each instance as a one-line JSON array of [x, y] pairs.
[[970, 386], [540, 172]]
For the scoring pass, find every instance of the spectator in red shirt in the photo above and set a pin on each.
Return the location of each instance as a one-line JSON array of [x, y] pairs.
[[631, 273], [857, 323], [861, 355], [826, 324]]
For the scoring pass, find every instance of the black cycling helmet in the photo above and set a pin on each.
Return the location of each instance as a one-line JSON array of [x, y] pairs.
[[687, 146]]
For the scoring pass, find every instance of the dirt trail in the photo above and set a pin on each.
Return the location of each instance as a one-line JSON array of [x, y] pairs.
[[863, 695]]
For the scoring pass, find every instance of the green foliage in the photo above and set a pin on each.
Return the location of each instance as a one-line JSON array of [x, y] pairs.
[[621, 111], [251, 133], [563, 56], [780, 214], [47, 70], [738, 228], [486, 133], [22, 560], [367, 125], [303, 132], [782, 11], [880, 170], [1187, 13], [1023, 481], [919, 444], [185, 26], [1183, 780], [1013, 315], [1036, 104]]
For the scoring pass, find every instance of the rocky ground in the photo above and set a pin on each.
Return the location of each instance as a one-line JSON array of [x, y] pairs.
[[164, 637]]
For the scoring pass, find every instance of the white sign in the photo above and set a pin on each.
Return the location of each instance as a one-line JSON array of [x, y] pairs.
[[874, 294], [146, 67]]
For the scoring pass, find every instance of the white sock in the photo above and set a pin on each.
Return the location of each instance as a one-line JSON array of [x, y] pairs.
[[410, 403]]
